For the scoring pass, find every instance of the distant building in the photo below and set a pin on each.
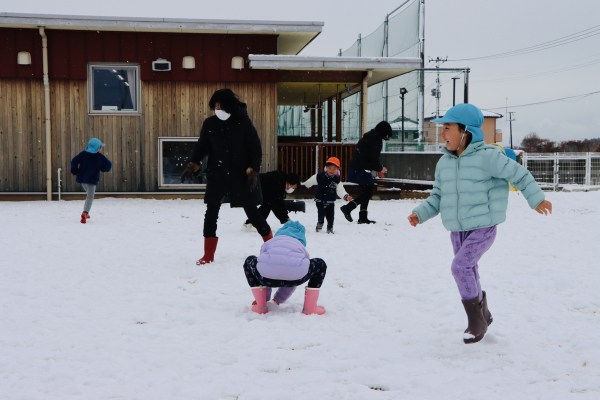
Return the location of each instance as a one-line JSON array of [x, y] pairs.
[[491, 134]]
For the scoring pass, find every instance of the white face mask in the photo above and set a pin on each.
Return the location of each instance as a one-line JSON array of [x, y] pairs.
[[222, 115], [290, 190]]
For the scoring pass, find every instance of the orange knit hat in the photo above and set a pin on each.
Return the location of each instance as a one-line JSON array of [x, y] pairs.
[[333, 160]]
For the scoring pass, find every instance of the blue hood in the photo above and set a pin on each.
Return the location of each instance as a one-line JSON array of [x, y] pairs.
[[294, 229], [468, 115], [94, 145]]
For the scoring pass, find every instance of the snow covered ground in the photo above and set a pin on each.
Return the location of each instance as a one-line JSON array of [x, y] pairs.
[[117, 308]]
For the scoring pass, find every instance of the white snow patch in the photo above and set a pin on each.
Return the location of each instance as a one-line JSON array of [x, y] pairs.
[[117, 308]]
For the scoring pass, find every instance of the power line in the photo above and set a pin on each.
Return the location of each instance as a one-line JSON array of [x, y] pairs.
[[581, 96], [586, 64], [587, 33]]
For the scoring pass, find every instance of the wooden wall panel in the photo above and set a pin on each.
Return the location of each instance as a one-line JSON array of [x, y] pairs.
[[170, 108]]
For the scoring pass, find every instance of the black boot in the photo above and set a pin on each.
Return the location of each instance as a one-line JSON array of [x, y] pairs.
[[319, 226], [330, 229], [486, 313], [477, 323], [347, 209], [362, 217]]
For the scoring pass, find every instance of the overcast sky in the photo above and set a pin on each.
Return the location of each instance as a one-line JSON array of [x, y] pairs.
[[457, 29]]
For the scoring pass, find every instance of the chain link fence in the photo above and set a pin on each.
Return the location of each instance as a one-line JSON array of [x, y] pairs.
[[396, 37]]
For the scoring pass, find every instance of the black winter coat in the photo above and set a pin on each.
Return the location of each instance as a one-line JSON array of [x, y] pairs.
[[232, 146], [273, 191], [366, 155]]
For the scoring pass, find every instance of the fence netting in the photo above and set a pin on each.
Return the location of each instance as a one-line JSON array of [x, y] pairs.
[[384, 102]]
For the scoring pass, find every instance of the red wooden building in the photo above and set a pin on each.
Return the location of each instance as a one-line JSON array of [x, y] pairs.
[[142, 86]]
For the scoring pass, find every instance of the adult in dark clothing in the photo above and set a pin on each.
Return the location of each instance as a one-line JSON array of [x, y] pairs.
[[234, 156], [275, 185], [364, 160]]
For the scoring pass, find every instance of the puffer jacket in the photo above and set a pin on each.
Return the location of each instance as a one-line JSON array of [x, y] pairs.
[[471, 191], [283, 258]]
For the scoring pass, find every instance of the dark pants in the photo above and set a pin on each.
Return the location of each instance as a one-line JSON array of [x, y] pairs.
[[212, 214], [325, 211], [363, 199], [315, 275], [264, 210]]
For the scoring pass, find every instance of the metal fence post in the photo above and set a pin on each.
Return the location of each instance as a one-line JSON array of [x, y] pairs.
[[556, 171], [588, 169]]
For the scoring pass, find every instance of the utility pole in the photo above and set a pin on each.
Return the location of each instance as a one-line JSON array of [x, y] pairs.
[[510, 113], [387, 52], [437, 94], [467, 70], [422, 76], [454, 91]]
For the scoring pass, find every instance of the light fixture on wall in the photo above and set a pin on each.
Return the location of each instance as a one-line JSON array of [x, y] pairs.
[[24, 58], [189, 62], [161, 65], [237, 62]]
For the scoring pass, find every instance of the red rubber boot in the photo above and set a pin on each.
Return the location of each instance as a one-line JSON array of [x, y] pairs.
[[268, 237], [210, 246], [84, 217]]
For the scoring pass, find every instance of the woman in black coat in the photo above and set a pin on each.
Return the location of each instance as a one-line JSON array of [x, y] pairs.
[[364, 160], [234, 156]]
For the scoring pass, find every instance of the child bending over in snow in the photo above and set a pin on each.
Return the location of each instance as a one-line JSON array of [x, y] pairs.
[[471, 193], [86, 166], [329, 187], [284, 263]]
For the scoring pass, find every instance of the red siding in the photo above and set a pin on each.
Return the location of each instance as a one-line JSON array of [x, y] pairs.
[[70, 51]]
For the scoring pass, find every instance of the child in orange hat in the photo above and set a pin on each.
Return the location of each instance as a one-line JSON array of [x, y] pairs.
[[329, 187]]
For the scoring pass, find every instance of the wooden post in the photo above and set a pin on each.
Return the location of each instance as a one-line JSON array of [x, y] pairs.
[[330, 119], [338, 118], [312, 122], [320, 122]]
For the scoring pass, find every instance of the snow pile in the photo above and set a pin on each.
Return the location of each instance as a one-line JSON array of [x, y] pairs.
[[118, 309]]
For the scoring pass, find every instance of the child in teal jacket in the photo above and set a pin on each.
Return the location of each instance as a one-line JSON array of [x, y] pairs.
[[471, 194]]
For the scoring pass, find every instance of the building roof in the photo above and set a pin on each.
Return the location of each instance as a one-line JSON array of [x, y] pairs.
[[293, 36], [486, 114], [306, 80]]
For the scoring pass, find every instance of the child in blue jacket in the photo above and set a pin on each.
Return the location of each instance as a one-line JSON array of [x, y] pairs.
[[471, 194], [86, 166], [329, 186]]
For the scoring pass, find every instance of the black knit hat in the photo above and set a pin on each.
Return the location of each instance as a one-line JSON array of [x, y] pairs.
[[384, 129]]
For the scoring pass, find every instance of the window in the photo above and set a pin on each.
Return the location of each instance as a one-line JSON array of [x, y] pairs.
[[114, 89], [173, 156]]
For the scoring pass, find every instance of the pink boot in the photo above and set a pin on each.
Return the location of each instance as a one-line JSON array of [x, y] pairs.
[[261, 300], [311, 295]]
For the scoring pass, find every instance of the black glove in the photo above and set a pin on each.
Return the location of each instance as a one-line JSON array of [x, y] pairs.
[[189, 171], [253, 180]]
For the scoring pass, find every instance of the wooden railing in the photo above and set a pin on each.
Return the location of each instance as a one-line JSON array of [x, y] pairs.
[[306, 159]]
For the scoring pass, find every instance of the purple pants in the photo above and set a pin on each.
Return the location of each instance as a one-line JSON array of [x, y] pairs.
[[468, 247]]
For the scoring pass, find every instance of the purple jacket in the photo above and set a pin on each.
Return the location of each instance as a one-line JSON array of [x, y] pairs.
[[283, 258]]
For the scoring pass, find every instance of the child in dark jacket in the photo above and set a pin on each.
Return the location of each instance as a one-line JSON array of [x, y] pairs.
[[329, 187], [86, 166]]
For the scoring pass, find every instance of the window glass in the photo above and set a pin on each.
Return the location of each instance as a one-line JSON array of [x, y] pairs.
[[114, 88], [175, 156]]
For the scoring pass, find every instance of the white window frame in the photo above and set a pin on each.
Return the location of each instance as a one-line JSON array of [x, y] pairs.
[[161, 140], [90, 87]]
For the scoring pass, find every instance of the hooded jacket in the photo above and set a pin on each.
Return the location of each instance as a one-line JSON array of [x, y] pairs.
[[87, 166], [232, 146], [366, 155], [471, 191]]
